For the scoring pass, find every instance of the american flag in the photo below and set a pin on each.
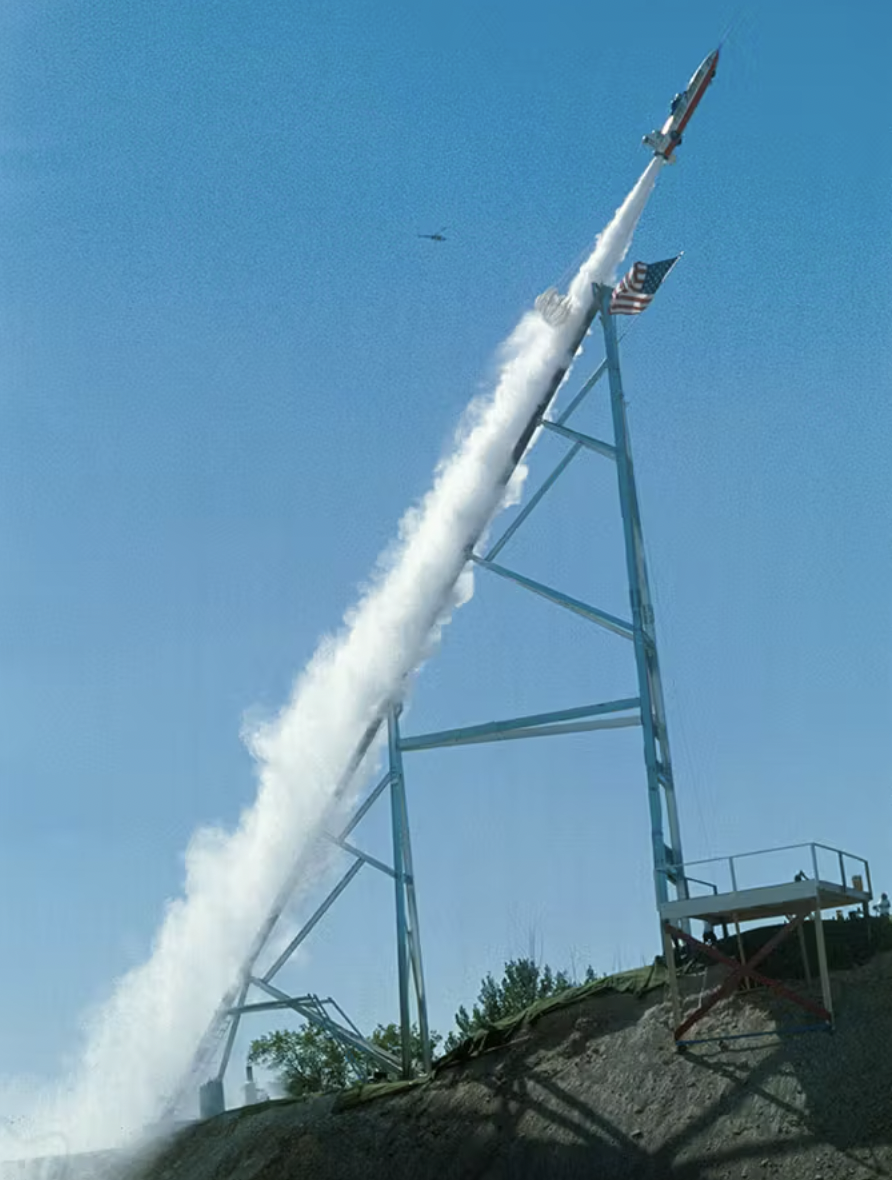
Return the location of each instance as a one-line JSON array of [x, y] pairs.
[[633, 294]]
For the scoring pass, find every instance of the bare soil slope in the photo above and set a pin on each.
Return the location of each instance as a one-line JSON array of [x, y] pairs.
[[594, 1089], [597, 1089]]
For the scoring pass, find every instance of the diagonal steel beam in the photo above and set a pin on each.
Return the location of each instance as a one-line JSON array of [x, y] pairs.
[[364, 807], [602, 618], [309, 1012], [561, 467], [361, 856], [361, 859], [584, 440], [584, 392], [308, 926], [264, 1006], [533, 501], [290, 882]]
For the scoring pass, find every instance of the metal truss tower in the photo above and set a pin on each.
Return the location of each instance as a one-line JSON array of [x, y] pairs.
[[646, 709]]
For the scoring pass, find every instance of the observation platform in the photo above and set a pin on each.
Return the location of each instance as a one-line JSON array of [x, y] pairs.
[[753, 887], [765, 901]]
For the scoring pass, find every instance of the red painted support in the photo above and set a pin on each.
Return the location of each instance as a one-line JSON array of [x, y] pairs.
[[744, 970]]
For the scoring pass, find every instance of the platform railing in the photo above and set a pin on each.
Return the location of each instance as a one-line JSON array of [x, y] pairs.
[[837, 876]]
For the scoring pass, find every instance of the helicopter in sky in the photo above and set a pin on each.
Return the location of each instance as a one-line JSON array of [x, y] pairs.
[[437, 237]]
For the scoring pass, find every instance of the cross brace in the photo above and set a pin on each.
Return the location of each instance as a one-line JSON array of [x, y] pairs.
[[745, 970]]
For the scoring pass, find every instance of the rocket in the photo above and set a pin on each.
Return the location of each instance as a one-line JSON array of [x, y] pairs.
[[666, 140], [552, 306]]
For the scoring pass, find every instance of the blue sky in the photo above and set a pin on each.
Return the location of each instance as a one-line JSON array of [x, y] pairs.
[[229, 364]]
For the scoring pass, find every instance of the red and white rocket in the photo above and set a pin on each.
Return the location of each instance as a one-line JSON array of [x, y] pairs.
[[665, 141]]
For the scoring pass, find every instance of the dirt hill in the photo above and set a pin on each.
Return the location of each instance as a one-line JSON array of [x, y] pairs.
[[593, 1088]]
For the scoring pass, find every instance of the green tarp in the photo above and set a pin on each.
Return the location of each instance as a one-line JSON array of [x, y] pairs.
[[371, 1090], [637, 983]]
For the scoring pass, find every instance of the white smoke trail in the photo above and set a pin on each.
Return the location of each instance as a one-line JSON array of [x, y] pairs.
[[143, 1038]]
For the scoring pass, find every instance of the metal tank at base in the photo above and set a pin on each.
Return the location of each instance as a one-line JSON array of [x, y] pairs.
[[211, 1100]]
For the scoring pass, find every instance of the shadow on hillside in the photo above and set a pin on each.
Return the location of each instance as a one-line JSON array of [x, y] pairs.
[[553, 1103], [535, 1126], [845, 1078], [577, 1142]]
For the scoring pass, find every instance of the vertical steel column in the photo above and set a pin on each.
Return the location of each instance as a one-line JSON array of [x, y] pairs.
[[669, 955], [414, 929], [402, 940], [821, 947], [657, 758], [803, 951]]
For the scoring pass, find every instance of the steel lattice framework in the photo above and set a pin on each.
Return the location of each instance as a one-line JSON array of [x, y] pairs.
[[646, 710]]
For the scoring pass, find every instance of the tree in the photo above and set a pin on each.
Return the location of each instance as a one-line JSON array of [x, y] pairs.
[[522, 984], [389, 1038], [309, 1061]]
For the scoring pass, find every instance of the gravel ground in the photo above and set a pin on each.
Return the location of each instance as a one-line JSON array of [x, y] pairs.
[[594, 1090]]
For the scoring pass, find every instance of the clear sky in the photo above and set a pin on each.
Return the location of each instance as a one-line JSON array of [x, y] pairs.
[[228, 364]]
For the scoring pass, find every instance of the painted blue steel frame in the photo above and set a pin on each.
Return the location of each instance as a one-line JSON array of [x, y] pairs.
[[214, 1052], [407, 929], [667, 857], [647, 709]]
